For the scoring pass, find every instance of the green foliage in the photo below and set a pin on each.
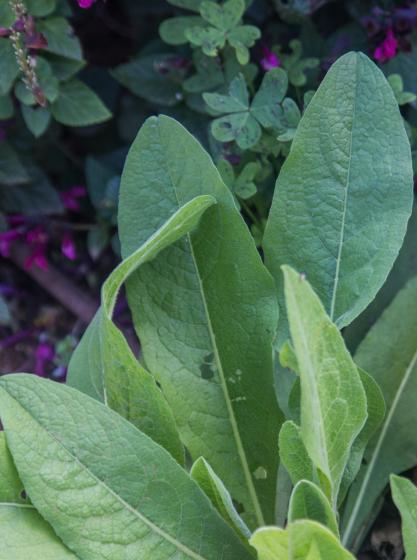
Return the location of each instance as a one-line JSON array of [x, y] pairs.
[[389, 354], [404, 494], [344, 241], [174, 454], [244, 120]]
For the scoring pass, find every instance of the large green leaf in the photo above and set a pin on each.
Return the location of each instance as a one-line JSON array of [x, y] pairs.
[[103, 365], [389, 354], [106, 488], [344, 194], [205, 313], [302, 540], [404, 494], [9, 70], [333, 401]]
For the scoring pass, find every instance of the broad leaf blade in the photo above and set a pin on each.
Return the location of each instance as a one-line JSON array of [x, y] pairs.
[[103, 365], [293, 453], [404, 494], [389, 354], [205, 313], [106, 488], [333, 402], [344, 194]]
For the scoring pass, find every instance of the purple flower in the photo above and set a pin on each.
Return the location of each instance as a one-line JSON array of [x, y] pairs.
[[44, 354], [38, 238], [70, 197], [85, 4], [68, 247], [388, 48], [270, 60], [6, 241]]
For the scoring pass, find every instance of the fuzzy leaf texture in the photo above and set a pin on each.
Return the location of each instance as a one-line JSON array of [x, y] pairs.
[[344, 194], [389, 354], [106, 488], [205, 313], [103, 365], [23, 532], [333, 401], [302, 540]]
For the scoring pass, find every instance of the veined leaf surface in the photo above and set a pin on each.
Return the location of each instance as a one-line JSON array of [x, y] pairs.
[[103, 365], [389, 354], [333, 401], [23, 532], [105, 487], [205, 312], [344, 194]]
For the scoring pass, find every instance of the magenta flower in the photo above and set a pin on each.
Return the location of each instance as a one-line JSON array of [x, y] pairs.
[[38, 239], [68, 247], [6, 240], [270, 60], [388, 48], [85, 4], [44, 354], [70, 198]]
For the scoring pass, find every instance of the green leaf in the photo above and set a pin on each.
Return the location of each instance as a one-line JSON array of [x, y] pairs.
[[193, 5], [333, 402], [132, 500], [241, 38], [295, 65], [397, 84], [309, 502], [235, 102], [405, 267], [342, 202], [209, 74], [225, 16], [389, 354], [24, 534], [404, 494], [266, 106], [40, 8], [11, 487], [37, 119], [33, 194], [208, 38], [78, 105], [61, 37], [195, 309], [152, 78], [219, 496], [104, 367], [9, 69], [376, 412], [302, 540], [6, 107], [294, 455], [47, 81], [12, 170], [172, 30]]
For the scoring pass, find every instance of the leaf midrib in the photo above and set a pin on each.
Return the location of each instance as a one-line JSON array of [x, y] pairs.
[[180, 546], [345, 201], [232, 418], [375, 453]]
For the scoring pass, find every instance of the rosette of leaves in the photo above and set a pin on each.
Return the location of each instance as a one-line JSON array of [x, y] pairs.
[[244, 120], [216, 26]]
